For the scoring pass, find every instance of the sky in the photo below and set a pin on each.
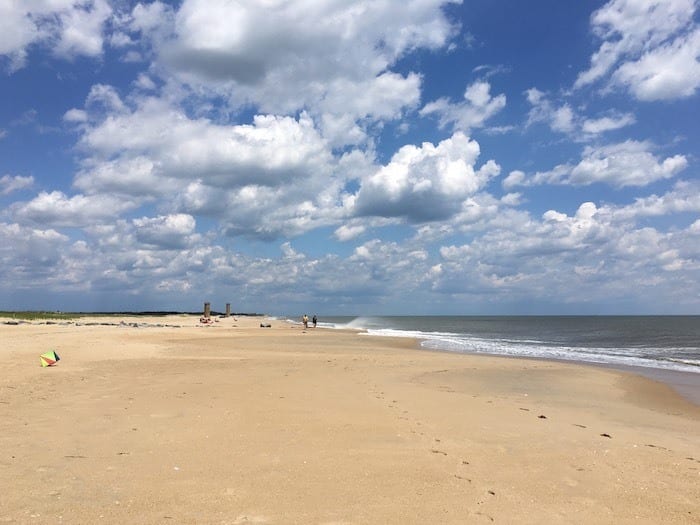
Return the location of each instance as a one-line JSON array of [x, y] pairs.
[[357, 157]]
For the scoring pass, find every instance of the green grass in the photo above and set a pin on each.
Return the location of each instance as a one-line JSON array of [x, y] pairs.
[[31, 316]]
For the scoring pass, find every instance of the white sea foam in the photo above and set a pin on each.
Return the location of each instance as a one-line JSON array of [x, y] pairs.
[[460, 343], [560, 339]]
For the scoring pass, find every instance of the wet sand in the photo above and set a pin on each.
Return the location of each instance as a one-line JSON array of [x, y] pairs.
[[233, 423]]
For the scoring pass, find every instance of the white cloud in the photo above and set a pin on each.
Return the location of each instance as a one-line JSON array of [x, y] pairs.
[[171, 231], [563, 119], [347, 232], [253, 53], [75, 116], [247, 42], [684, 197], [321, 78], [119, 39], [274, 175], [71, 27], [425, 183], [28, 254], [629, 163], [380, 98], [150, 18], [478, 106], [668, 72], [514, 178], [271, 151], [9, 183], [512, 199], [598, 253], [55, 209], [597, 126], [104, 99], [80, 30], [649, 46], [17, 31], [145, 82], [135, 178]]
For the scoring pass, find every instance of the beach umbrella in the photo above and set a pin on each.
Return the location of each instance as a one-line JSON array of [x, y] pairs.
[[49, 358]]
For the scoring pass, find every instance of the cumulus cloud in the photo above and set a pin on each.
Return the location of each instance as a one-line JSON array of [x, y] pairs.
[[252, 53], [589, 255], [629, 163], [276, 174], [55, 209], [684, 197], [596, 126], [80, 29], [561, 255], [478, 106], [247, 42], [563, 119], [29, 256], [9, 183], [668, 72], [132, 177], [348, 232], [650, 47], [26, 239], [514, 178], [259, 120], [170, 231], [150, 19], [425, 183], [270, 151], [383, 97], [72, 28], [17, 31]]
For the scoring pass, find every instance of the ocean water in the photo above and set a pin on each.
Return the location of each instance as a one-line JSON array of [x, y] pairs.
[[664, 343]]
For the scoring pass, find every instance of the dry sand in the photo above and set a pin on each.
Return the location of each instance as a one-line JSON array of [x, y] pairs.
[[233, 423]]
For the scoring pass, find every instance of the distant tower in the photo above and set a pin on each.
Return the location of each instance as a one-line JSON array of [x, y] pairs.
[[207, 310], [228, 309]]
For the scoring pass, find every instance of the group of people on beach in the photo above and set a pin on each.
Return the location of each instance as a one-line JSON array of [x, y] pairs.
[[305, 320]]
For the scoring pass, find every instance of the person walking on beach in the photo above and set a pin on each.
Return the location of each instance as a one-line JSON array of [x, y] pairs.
[[305, 321], [313, 320]]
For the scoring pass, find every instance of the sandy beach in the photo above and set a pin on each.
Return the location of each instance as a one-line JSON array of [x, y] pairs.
[[155, 420]]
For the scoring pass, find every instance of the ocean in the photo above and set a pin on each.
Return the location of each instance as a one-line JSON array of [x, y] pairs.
[[670, 343]]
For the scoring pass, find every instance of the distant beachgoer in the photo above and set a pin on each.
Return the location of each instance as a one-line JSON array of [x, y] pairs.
[[314, 320], [305, 321]]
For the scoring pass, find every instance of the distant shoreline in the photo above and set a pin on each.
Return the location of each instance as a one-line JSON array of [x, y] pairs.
[[47, 314]]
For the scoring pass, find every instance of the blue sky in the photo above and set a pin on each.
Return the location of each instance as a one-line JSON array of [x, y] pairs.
[[351, 157]]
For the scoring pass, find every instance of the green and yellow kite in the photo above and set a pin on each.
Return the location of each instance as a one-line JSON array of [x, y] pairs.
[[49, 358]]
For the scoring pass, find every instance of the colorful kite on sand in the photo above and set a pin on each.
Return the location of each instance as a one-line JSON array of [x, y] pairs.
[[49, 358]]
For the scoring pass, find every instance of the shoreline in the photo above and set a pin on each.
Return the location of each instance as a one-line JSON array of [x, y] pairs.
[[234, 423], [685, 383]]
